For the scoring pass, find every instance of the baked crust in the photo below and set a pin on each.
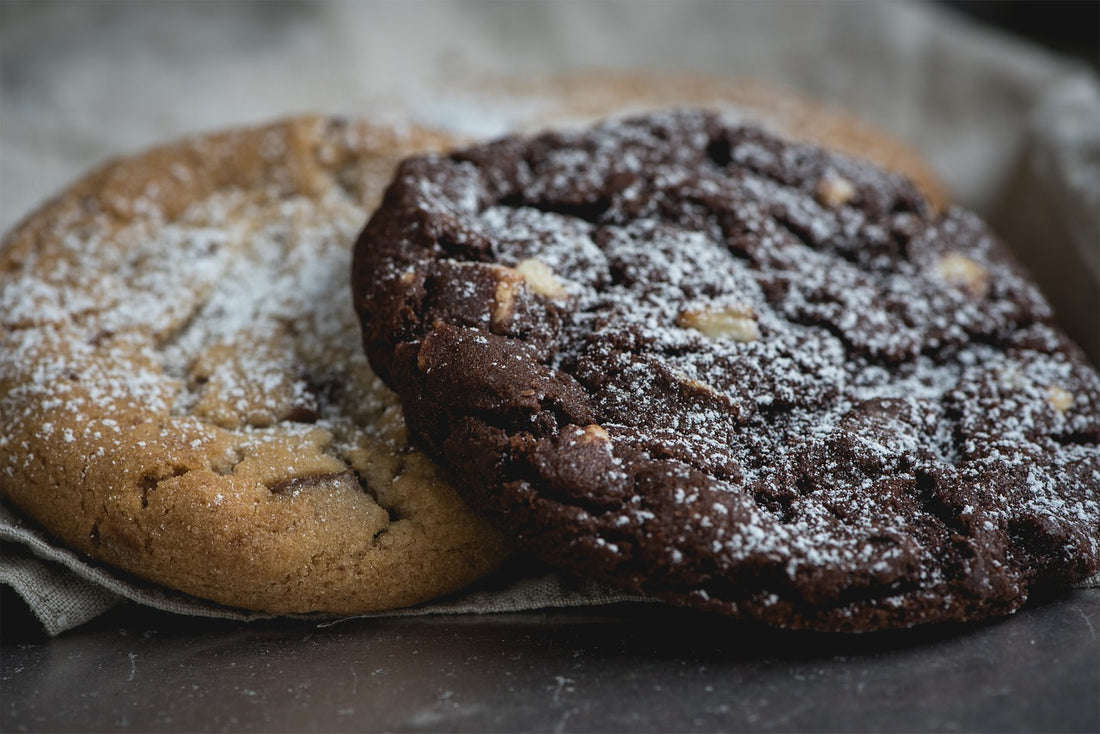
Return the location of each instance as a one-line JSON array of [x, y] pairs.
[[182, 393], [694, 360], [569, 100]]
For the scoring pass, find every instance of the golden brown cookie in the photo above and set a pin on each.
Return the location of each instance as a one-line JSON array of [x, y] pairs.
[[182, 390]]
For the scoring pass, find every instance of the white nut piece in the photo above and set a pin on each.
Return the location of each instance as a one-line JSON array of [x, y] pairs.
[[732, 322], [594, 432], [960, 270], [1060, 398], [834, 190], [540, 278], [504, 299], [699, 385]]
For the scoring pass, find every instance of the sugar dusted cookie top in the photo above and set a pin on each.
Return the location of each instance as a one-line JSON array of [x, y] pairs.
[[182, 390], [697, 361]]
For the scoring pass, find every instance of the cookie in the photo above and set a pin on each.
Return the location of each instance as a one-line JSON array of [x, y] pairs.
[[182, 392], [684, 356], [533, 104]]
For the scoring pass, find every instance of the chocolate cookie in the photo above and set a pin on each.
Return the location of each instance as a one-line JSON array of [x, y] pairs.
[[697, 361], [182, 392]]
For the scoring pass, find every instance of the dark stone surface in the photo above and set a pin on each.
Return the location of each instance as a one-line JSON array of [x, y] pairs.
[[627, 668]]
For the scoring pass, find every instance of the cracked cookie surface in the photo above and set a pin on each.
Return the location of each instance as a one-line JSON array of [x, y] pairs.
[[694, 360], [182, 390]]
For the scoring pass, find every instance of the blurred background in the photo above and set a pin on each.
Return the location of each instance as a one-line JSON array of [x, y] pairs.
[[1069, 27], [1002, 98]]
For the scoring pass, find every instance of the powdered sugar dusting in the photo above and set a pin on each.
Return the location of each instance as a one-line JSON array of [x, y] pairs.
[[872, 393], [232, 315]]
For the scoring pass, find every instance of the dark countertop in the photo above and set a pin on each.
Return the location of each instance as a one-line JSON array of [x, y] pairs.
[[623, 668]]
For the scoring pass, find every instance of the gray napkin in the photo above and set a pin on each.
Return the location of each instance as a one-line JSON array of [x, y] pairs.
[[64, 589]]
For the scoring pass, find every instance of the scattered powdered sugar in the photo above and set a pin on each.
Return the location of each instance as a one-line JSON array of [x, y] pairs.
[[234, 314], [856, 381]]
